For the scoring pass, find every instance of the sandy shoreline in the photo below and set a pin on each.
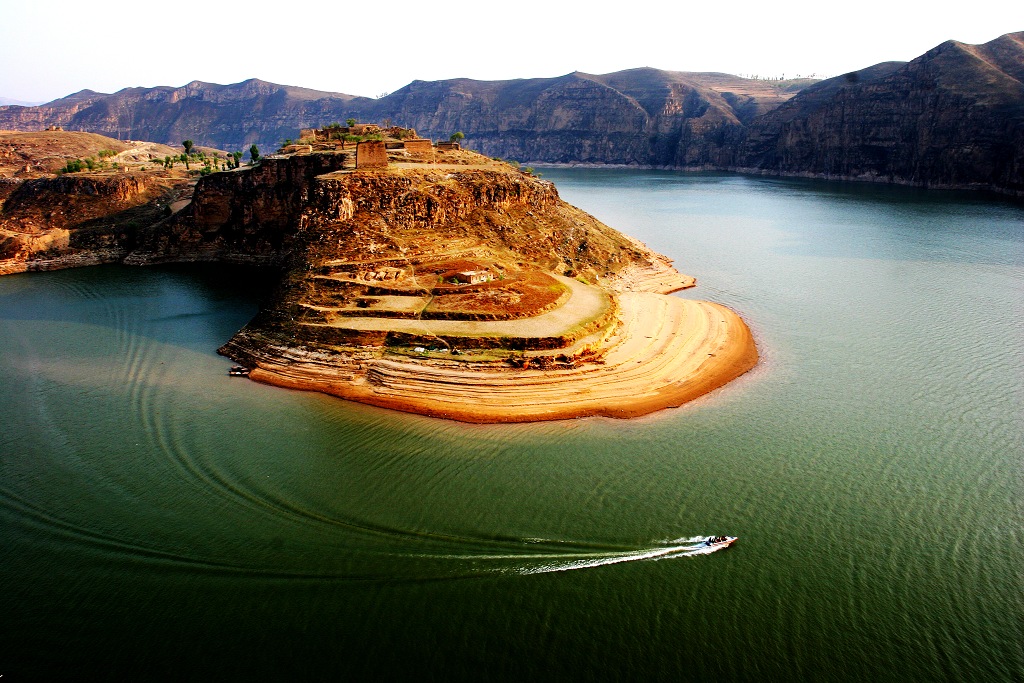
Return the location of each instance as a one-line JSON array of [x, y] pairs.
[[667, 352]]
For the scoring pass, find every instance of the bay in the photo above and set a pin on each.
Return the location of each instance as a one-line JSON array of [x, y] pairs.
[[160, 519]]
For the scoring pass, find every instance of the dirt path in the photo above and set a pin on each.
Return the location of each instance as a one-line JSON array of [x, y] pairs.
[[586, 303]]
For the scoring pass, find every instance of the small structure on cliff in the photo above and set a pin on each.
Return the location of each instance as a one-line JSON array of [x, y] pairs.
[[373, 143], [336, 132], [417, 145], [472, 277], [371, 154]]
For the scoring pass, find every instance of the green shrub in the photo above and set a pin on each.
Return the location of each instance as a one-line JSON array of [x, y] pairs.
[[72, 166]]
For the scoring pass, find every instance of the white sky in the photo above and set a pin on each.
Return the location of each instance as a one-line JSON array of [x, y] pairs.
[[52, 48]]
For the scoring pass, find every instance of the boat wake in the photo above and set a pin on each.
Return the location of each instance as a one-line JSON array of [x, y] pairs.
[[680, 547]]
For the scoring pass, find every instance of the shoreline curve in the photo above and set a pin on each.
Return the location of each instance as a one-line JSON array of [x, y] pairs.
[[666, 352]]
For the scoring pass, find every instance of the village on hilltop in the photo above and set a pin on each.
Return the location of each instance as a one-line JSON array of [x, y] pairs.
[[372, 143]]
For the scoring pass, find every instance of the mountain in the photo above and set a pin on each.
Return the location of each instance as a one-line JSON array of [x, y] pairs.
[[642, 116], [226, 116], [953, 117]]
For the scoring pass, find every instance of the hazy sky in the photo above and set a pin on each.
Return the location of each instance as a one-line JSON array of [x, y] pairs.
[[53, 48]]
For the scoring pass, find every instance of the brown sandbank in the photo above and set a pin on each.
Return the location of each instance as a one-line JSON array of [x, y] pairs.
[[667, 352]]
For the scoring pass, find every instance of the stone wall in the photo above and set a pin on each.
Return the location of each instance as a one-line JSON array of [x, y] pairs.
[[419, 145], [371, 154]]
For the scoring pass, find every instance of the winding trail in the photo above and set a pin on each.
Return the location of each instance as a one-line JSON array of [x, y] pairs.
[[586, 303]]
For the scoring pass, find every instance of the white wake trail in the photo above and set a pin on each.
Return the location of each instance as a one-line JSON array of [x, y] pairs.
[[681, 548]]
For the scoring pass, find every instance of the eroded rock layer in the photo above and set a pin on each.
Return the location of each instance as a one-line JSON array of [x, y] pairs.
[[471, 291], [445, 283]]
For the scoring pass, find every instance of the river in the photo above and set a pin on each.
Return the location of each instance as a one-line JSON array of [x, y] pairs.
[[160, 520]]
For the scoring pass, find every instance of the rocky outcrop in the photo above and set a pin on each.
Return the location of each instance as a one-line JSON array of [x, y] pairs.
[[249, 215], [230, 117], [352, 316], [953, 117], [77, 219], [559, 316], [118, 190], [641, 116]]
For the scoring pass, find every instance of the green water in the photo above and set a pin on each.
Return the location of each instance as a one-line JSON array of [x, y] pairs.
[[160, 520]]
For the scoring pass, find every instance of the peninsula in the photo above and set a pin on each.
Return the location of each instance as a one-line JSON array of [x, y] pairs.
[[431, 279]]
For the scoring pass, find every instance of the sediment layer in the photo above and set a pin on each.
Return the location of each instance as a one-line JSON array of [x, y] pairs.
[[569, 319], [668, 351]]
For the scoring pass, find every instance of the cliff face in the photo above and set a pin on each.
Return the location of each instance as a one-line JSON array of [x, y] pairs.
[[953, 117], [224, 116], [640, 116], [77, 219], [372, 246], [459, 287], [250, 214]]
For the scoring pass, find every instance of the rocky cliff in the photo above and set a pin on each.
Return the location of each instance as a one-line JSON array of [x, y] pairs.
[[77, 219], [953, 117], [454, 285], [224, 116], [640, 116], [249, 214]]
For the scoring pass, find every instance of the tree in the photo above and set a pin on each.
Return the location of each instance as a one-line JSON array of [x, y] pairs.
[[350, 122], [254, 153], [184, 158], [73, 166], [457, 137], [187, 144], [237, 156]]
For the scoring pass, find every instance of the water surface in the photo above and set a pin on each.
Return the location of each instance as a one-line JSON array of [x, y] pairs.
[[160, 519]]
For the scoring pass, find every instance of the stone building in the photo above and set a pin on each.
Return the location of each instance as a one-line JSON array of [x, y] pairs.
[[418, 145], [371, 154], [473, 277]]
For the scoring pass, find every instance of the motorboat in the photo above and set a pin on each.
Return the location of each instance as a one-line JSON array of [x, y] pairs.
[[238, 371], [718, 541]]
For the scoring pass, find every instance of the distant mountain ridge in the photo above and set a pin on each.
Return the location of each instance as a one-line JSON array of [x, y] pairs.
[[5, 101], [953, 117], [226, 116], [645, 116], [639, 116]]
